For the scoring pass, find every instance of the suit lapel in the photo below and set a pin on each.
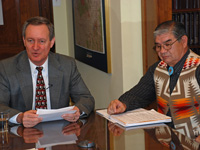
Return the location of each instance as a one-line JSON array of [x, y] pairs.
[[25, 80], [55, 81]]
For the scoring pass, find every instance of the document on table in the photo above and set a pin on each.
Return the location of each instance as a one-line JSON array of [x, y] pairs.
[[54, 114], [136, 117]]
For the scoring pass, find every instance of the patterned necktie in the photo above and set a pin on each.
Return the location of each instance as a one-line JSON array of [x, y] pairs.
[[40, 97]]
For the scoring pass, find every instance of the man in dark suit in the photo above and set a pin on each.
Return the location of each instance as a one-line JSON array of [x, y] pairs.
[[63, 82]]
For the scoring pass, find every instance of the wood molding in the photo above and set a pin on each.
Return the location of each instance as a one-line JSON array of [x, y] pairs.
[[153, 13]]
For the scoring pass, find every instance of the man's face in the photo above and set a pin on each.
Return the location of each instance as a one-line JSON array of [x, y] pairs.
[[177, 51], [37, 43]]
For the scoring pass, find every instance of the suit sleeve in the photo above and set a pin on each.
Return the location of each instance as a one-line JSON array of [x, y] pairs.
[[79, 92], [5, 92], [143, 93]]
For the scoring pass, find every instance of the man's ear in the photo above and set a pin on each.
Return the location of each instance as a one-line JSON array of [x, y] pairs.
[[184, 40], [24, 41], [52, 42]]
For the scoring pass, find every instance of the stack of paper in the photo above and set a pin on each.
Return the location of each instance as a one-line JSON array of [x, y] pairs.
[[136, 117], [54, 114]]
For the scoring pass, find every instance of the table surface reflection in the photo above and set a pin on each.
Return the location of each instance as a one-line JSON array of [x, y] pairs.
[[62, 135]]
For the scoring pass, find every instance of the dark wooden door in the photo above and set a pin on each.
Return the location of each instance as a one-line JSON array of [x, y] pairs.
[[153, 13], [15, 12]]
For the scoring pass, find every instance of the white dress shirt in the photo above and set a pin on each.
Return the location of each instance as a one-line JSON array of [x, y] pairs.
[[34, 73]]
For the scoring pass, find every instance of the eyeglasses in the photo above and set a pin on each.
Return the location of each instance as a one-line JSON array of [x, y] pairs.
[[166, 46]]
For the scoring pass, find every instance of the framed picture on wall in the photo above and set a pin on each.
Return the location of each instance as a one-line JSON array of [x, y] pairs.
[[91, 33]]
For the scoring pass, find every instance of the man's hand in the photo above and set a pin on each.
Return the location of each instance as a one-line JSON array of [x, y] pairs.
[[32, 135], [29, 118], [72, 117], [73, 128], [115, 130], [116, 107]]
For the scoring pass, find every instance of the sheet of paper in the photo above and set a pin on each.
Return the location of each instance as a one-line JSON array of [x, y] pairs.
[[147, 126], [54, 114], [103, 112], [141, 117]]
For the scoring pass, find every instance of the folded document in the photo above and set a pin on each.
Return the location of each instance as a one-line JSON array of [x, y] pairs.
[[135, 117]]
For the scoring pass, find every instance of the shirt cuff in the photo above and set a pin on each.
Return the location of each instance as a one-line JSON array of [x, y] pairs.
[[14, 130], [82, 114], [14, 119]]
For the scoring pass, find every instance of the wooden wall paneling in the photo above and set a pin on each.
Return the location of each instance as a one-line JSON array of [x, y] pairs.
[[46, 9], [164, 10], [153, 13], [149, 21], [9, 33], [144, 35], [28, 9]]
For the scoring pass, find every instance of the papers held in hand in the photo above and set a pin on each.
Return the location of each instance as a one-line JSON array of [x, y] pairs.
[[54, 114], [136, 117]]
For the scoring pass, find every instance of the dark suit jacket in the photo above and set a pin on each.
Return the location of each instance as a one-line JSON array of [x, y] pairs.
[[16, 90]]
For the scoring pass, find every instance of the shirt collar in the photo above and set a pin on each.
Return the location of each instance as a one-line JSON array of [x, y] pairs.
[[33, 66], [178, 67]]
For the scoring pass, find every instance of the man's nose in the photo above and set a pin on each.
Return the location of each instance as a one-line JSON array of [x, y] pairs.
[[35, 45]]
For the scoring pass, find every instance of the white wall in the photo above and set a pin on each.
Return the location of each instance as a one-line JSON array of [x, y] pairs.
[[61, 28], [126, 49]]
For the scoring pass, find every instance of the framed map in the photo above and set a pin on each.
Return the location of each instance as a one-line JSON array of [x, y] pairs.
[[91, 33]]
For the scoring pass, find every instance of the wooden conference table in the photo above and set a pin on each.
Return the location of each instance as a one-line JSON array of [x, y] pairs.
[[61, 135]]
